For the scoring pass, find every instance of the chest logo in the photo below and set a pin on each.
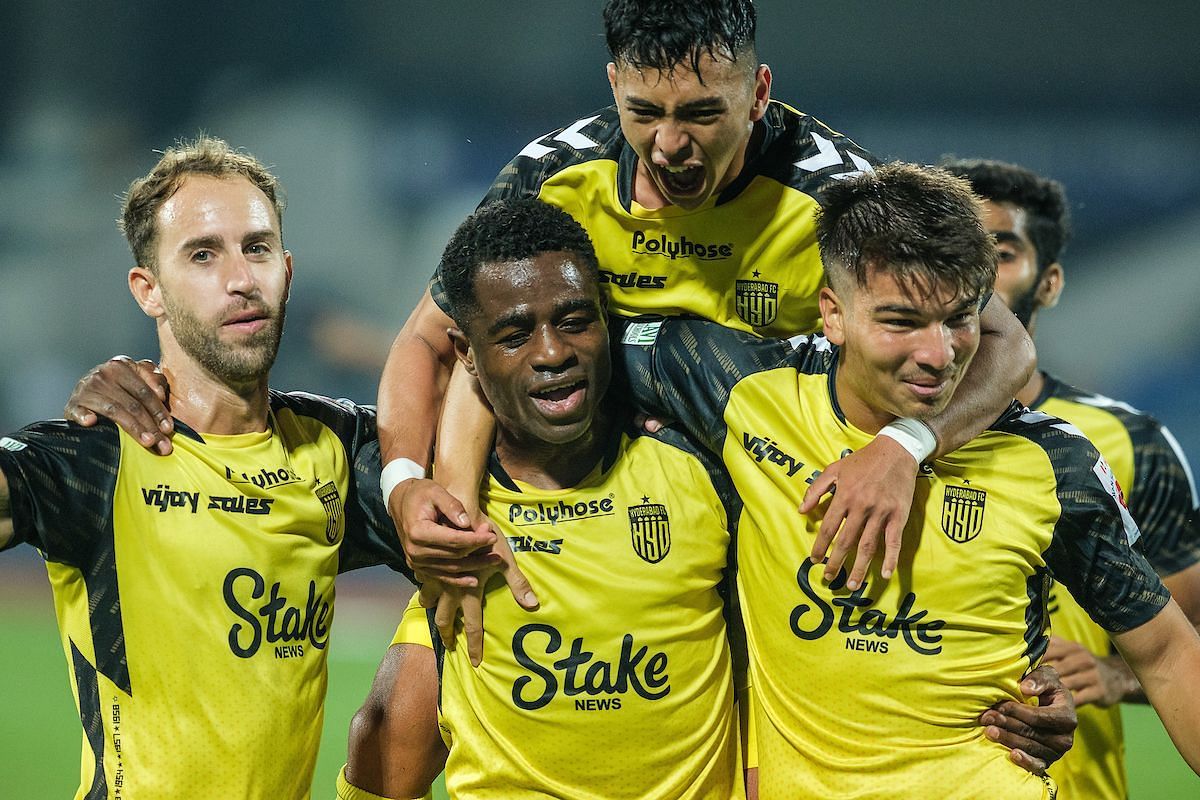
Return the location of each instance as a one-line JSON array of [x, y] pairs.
[[327, 493], [962, 512], [651, 530], [756, 302]]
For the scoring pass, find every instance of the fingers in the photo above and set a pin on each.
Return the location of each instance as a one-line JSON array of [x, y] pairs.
[[1038, 748], [893, 535], [823, 484], [1027, 762], [154, 378], [116, 390], [445, 615], [472, 609], [518, 584]]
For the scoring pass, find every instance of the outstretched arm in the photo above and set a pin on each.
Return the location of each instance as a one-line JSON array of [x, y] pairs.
[[6, 523], [875, 484]]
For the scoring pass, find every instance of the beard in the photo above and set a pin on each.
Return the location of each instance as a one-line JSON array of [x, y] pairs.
[[1025, 304], [247, 361]]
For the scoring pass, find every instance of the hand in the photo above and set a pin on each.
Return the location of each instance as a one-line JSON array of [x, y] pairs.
[[133, 394], [873, 499], [648, 423], [1036, 736], [436, 532], [1090, 678], [449, 600]]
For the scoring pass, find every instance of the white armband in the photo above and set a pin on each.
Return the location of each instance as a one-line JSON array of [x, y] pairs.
[[396, 472], [913, 435]]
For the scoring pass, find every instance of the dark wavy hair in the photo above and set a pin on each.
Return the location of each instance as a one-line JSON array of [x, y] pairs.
[[1048, 220], [920, 224], [508, 230], [662, 34]]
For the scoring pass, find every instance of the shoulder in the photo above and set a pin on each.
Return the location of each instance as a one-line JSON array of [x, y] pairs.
[[352, 423], [595, 136], [100, 442], [804, 153]]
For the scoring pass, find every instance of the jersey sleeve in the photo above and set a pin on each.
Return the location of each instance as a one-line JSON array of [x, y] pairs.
[[370, 537], [1092, 551], [1163, 499], [685, 369], [61, 481]]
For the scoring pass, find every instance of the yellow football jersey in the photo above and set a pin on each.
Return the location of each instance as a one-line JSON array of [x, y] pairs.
[[875, 693], [195, 591], [619, 685], [1154, 474], [747, 258]]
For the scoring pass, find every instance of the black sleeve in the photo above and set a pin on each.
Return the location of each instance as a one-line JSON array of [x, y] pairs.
[[1162, 498], [370, 537], [1092, 552], [61, 480], [685, 369]]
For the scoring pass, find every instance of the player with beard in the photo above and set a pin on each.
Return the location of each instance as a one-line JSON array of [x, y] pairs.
[[1029, 216], [194, 592]]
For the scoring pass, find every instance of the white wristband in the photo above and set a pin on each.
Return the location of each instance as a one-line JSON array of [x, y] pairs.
[[397, 471], [913, 435]]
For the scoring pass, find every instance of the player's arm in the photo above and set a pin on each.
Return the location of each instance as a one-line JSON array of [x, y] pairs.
[[1164, 653], [6, 523], [431, 521], [133, 394], [395, 749], [875, 484]]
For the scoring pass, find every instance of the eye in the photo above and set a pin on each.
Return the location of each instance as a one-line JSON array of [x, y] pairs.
[[960, 320], [514, 340], [575, 324], [257, 249], [705, 115], [202, 256], [899, 323]]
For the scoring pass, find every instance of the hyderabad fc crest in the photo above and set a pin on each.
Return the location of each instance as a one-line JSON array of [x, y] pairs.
[[327, 493], [756, 302], [962, 512], [651, 530]]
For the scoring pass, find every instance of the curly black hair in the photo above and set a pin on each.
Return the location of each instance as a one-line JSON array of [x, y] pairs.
[[1044, 201], [508, 230], [662, 34], [919, 224]]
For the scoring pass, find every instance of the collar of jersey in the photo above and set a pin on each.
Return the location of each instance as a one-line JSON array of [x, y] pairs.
[[233, 440], [501, 476]]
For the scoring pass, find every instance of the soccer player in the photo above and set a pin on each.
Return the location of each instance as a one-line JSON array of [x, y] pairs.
[[699, 191], [619, 684], [1030, 219], [194, 592], [907, 262]]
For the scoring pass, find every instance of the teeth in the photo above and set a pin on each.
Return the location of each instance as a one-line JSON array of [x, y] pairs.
[[676, 170]]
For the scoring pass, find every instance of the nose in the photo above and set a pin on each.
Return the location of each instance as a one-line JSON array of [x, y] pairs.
[[553, 353], [672, 144], [936, 347], [240, 276]]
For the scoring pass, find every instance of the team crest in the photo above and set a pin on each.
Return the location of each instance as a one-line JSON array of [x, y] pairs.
[[757, 302], [329, 497], [651, 530], [962, 512]]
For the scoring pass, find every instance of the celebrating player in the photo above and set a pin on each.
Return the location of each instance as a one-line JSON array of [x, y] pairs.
[[907, 262], [194, 592], [1029, 217], [619, 685]]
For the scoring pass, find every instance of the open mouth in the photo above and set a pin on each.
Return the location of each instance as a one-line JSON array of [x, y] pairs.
[[928, 391], [560, 400], [681, 181], [248, 322]]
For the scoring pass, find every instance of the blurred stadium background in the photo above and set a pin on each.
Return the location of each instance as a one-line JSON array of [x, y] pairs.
[[386, 119]]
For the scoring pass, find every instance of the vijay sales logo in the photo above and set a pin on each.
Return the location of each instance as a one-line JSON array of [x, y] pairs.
[[867, 629], [267, 615], [581, 671]]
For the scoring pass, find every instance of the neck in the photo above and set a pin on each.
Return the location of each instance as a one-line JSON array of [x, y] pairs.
[[861, 415], [554, 466], [1030, 391], [207, 404]]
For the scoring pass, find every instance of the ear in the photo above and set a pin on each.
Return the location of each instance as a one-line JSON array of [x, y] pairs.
[[287, 264], [462, 350], [144, 286], [612, 79], [1050, 286], [762, 92], [833, 316]]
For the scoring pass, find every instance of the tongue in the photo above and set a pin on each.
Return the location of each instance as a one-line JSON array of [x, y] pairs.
[[558, 394], [683, 182]]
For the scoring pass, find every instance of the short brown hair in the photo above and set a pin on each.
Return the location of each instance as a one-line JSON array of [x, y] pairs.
[[207, 155], [920, 224]]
